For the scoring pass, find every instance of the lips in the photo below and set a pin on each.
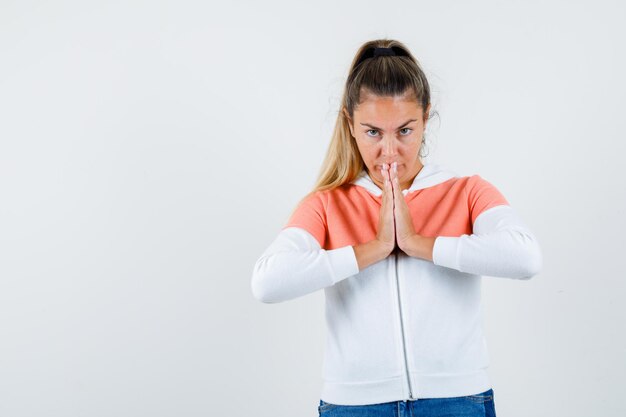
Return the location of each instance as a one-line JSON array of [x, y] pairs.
[[379, 167]]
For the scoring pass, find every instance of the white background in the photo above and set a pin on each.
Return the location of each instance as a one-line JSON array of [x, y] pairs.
[[151, 150]]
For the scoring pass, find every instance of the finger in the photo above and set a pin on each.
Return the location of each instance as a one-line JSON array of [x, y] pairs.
[[392, 189], [385, 171], [389, 175], [387, 198], [387, 202], [384, 175], [395, 182], [395, 174], [400, 204], [388, 187]]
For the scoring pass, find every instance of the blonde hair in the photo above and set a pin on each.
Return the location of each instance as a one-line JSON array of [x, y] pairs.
[[369, 75]]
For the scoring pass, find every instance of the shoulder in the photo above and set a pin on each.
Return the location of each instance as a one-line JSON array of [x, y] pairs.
[[476, 183], [310, 215], [482, 195], [320, 199], [310, 212], [316, 200]]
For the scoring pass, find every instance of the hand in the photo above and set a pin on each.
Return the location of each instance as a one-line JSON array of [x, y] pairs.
[[405, 231], [386, 231]]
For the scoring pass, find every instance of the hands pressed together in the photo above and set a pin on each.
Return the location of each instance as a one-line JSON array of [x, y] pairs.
[[395, 227]]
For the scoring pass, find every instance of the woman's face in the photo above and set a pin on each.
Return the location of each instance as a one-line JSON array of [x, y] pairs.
[[387, 130]]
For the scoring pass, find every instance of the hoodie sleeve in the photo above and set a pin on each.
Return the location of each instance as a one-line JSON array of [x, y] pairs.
[[501, 245], [295, 265]]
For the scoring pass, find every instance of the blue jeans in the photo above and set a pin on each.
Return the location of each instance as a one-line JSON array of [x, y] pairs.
[[477, 405]]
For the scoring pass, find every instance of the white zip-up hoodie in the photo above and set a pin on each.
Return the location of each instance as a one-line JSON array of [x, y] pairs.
[[403, 328]]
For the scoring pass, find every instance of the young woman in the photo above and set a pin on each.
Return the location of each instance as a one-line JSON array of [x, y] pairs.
[[399, 247]]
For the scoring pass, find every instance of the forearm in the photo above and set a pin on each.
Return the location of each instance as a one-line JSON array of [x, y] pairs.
[[505, 253], [420, 247], [370, 253], [500, 246], [294, 265]]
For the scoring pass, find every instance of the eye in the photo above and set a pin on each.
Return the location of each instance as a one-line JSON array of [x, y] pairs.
[[374, 130]]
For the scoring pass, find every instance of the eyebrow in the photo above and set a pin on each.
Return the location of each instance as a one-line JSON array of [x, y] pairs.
[[401, 126]]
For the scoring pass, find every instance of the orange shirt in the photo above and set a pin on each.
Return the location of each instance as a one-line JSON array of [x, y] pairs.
[[348, 215]]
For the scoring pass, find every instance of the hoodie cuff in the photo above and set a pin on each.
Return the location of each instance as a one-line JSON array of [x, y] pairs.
[[343, 263], [445, 251]]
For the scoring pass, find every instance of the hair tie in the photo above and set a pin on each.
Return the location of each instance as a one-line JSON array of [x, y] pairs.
[[384, 52], [374, 52]]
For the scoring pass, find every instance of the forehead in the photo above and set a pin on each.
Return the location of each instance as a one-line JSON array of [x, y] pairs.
[[387, 109]]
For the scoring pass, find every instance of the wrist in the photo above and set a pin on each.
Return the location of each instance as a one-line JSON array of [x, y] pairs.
[[370, 253], [419, 246], [383, 248]]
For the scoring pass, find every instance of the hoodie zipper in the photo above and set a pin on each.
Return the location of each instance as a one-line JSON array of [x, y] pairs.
[[406, 363]]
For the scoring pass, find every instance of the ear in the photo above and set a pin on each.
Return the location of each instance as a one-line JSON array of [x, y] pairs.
[[345, 113], [426, 113]]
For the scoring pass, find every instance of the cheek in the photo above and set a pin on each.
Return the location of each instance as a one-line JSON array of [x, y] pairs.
[[411, 148], [368, 153], [369, 158]]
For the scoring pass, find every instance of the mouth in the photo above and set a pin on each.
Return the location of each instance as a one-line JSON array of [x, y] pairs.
[[379, 167]]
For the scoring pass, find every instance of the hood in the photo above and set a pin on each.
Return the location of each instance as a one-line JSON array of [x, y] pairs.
[[430, 174]]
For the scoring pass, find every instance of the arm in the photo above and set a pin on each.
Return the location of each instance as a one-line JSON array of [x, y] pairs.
[[421, 247], [295, 265], [370, 252], [501, 246]]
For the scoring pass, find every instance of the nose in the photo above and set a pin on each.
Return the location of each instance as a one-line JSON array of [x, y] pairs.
[[389, 150]]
